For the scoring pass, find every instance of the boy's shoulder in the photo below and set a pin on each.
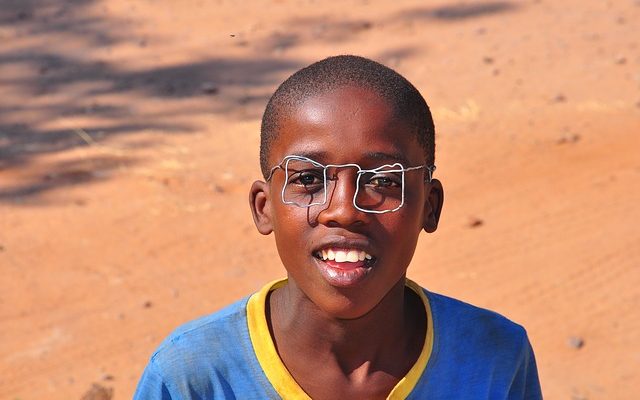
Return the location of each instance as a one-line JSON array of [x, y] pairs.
[[462, 311], [475, 351], [206, 339], [474, 337], [210, 357], [473, 323]]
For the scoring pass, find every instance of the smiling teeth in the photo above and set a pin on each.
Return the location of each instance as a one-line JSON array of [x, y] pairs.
[[344, 255]]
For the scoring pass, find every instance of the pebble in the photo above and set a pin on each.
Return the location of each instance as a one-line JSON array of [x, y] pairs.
[[475, 223], [359, 26], [569, 139], [107, 377], [209, 88], [576, 342], [620, 60], [98, 392]]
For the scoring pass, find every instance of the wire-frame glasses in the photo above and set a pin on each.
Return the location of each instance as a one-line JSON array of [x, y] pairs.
[[379, 190]]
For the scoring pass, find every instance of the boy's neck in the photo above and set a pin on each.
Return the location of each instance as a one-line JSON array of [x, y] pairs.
[[388, 338]]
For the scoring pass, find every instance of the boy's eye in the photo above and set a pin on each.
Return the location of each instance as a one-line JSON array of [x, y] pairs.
[[383, 181], [306, 178]]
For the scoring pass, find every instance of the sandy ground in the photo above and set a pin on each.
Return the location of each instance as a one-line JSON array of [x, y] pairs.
[[129, 137]]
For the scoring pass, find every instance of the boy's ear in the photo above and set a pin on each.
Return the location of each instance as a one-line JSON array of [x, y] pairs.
[[433, 206], [260, 203]]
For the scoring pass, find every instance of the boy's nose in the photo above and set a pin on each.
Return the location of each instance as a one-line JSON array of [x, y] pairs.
[[339, 209]]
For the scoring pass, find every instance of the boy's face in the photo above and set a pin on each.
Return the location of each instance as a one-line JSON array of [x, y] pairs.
[[346, 125]]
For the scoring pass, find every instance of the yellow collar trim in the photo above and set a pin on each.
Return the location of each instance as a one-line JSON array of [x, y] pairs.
[[279, 376]]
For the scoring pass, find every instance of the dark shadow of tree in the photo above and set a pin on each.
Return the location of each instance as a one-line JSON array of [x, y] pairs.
[[461, 11], [42, 68]]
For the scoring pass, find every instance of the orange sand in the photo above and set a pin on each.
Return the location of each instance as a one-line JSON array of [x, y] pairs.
[[129, 137]]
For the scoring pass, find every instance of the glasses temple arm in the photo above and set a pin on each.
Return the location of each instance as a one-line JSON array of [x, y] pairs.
[[271, 172]]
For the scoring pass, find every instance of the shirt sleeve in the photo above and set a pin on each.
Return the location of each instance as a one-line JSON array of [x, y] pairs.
[[526, 384], [152, 385]]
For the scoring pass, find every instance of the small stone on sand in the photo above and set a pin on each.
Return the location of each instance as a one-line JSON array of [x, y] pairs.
[[98, 392], [475, 222], [576, 342], [209, 88], [560, 98]]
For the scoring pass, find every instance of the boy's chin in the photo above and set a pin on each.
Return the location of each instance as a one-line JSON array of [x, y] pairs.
[[342, 303], [345, 309]]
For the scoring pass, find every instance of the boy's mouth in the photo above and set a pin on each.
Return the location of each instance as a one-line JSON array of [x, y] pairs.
[[344, 267], [343, 255]]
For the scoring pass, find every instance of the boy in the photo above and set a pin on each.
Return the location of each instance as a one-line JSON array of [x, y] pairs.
[[347, 152]]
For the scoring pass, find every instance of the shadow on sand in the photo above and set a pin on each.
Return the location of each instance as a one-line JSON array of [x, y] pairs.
[[49, 72], [59, 81]]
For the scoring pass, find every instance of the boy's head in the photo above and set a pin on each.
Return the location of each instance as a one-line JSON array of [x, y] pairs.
[[333, 72], [347, 146]]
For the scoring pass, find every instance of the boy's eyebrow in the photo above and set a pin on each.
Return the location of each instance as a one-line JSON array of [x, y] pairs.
[[397, 157], [322, 156], [318, 156]]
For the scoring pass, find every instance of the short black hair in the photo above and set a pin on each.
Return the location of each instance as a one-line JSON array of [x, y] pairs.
[[345, 70]]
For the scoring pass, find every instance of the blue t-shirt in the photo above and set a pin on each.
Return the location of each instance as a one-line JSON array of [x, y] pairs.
[[468, 353]]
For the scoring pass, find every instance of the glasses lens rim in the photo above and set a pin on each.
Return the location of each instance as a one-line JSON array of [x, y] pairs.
[[389, 168], [286, 182], [380, 210]]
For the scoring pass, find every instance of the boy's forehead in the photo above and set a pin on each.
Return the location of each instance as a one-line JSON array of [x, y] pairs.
[[324, 123], [335, 113], [348, 96]]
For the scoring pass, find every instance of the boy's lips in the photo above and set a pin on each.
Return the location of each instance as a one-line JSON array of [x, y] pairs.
[[344, 263], [345, 274]]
